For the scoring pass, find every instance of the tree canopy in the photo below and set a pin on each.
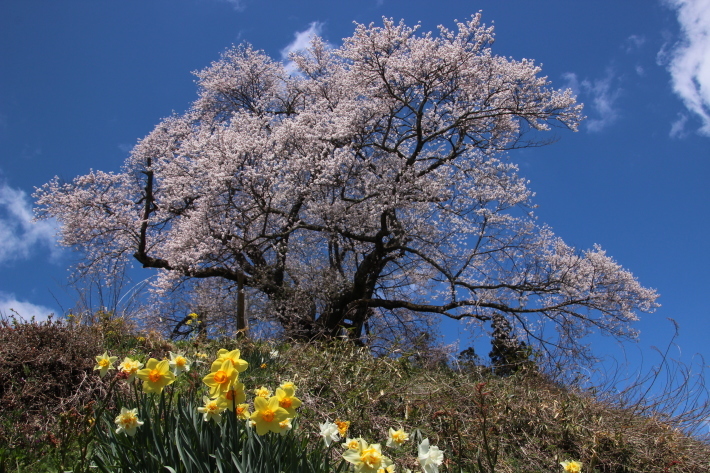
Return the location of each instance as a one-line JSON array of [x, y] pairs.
[[370, 178]]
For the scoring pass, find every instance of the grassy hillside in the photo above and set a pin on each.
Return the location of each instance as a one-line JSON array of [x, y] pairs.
[[52, 403]]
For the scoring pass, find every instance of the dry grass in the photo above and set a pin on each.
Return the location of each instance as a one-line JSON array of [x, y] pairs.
[[518, 423]]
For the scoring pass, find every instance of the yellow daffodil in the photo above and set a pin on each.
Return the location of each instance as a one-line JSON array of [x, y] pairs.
[[389, 469], [243, 411], [220, 378], [397, 437], [285, 426], [262, 392], [104, 363], [128, 421], [268, 415], [179, 363], [367, 458], [343, 426], [289, 402], [129, 367], [234, 356], [571, 466], [288, 385], [352, 444], [213, 408], [235, 396], [430, 457], [156, 375]]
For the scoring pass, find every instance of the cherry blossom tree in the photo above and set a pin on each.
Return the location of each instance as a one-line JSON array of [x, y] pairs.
[[368, 179]]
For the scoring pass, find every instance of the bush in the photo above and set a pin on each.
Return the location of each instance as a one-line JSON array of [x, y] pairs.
[[46, 372]]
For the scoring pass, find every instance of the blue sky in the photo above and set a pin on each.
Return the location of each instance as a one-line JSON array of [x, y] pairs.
[[82, 80]]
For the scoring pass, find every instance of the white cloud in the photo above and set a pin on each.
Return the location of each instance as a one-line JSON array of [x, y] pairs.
[[300, 43], [302, 39], [18, 233], [10, 306], [688, 61], [678, 126], [602, 94]]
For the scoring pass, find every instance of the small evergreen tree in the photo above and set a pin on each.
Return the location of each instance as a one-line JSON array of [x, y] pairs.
[[508, 354]]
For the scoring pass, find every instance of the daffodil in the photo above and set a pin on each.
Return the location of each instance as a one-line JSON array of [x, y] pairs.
[[329, 432], [389, 469], [571, 466], [156, 375], [367, 458], [243, 411], [268, 415], [288, 401], [130, 367], [234, 356], [288, 385], [235, 396], [352, 444], [179, 363], [430, 457], [128, 421], [104, 363], [285, 426], [213, 409], [343, 426], [220, 378], [262, 392], [397, 437]]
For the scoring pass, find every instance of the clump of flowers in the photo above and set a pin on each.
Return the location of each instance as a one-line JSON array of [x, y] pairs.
[[271, 413]]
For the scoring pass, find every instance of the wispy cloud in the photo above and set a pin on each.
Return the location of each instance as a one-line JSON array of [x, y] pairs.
[[237, 4], [688, 60], [300, 43], [18, 233], [602, 96], [634, 43], [9, 306]]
